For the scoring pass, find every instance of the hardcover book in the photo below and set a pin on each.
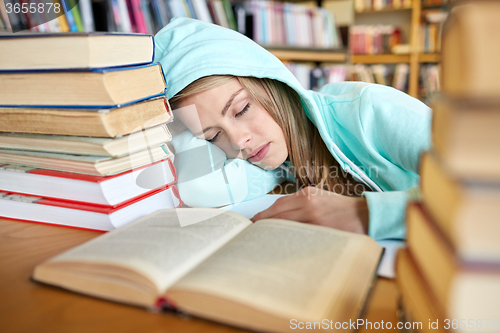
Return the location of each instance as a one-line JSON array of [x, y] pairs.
[[74, 50], [417, 299], [109, 122], [221, 266], [470, 51], [99, 190], [84, 145], [83, 215], [466, 137], [462, 289], [89, 165], [96, 88], [466, 211]]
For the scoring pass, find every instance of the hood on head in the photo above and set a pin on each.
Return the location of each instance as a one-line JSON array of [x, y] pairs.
[[190, 49]]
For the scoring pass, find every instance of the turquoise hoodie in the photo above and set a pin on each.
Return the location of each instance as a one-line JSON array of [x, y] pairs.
[[376, 133]]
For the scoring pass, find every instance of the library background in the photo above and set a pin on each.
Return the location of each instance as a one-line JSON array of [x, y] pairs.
[[72, 149], [390, 42]]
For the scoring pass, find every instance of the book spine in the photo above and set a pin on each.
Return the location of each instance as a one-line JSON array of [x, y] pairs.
[[131, 15], [191, 10], [229, 14], [69, 16], [63, 23], [146, 14], [75, 10], [138, 16], [5, 17], [87, 15]]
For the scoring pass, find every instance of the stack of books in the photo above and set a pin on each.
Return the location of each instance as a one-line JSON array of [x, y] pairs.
[[431, 32], [373, 5], [374, 39], [449, 276], [429, 80], [282, 23], [83, 130]]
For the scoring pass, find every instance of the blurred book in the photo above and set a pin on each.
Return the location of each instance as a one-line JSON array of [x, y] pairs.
[[417, 300], [96, 88], [74, 50], [462, 289], [466, 137], [401, 77], [466, 211], [470, 51]]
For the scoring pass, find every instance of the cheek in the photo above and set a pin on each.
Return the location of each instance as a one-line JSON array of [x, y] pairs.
[[229, 149]]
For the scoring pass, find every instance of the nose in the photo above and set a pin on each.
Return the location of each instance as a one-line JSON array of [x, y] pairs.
[[239, 138]]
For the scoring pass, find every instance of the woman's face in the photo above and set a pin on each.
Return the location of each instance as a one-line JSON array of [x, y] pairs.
[[228, 117]]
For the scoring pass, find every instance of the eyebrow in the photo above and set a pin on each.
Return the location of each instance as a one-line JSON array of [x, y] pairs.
[[224, 110]]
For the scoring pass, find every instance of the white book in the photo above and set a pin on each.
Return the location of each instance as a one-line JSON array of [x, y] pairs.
[[88, 15], [81, 215], [98, 190], [202, 12]]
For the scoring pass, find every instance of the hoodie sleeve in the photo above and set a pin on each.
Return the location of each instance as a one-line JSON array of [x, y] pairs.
[[398, 127], [207, 178]]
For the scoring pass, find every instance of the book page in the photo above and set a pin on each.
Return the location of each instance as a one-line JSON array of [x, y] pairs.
[[158, 246], [284, 267]]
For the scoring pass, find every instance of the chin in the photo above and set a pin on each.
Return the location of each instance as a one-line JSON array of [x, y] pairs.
[[268, 165]]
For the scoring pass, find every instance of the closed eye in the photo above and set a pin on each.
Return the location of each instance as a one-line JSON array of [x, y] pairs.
[[212, 140], [239, 114], [245, 109]]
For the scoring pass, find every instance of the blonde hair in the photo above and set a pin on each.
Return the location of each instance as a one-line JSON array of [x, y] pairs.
[[311, 162]]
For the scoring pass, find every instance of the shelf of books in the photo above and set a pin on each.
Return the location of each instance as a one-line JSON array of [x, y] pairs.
[[382, 9], [306, 34], [381, 5]]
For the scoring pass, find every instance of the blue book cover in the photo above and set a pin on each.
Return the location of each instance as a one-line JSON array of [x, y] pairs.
[[27, 75], [4, 56]]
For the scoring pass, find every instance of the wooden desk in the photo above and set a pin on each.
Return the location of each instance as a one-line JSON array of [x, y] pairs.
[[27, 306]]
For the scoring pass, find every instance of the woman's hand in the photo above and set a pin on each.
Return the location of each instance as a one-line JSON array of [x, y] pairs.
[[321, 207]]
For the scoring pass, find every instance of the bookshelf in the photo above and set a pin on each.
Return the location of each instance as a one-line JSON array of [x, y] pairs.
[[379, 58], [413, 32], [409, 10], [383, 10]]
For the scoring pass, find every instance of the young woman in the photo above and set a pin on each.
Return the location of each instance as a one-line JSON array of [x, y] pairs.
[[353, 147]]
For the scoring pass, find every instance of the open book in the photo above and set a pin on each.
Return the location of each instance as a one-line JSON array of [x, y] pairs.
[[225, 268]]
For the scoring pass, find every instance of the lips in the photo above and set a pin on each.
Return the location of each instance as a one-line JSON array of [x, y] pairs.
[[259, 153]]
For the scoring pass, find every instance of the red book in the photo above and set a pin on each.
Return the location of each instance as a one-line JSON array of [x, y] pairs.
[[84, 215], [101, 190], [139, 17]]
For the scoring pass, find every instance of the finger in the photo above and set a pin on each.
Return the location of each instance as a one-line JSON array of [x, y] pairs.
[[298, 215], [283, 204]]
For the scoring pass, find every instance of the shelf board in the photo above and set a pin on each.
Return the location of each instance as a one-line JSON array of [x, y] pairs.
[[429, 57], [306, 54], [379, 58], [392, 58]]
